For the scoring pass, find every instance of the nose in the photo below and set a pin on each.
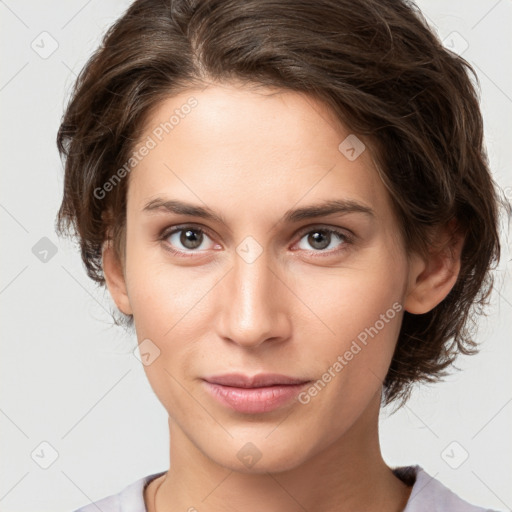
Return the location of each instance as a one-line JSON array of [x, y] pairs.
[[253, 304]]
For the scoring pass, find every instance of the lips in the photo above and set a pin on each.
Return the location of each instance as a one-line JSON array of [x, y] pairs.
[[239, 380], [254, 394]]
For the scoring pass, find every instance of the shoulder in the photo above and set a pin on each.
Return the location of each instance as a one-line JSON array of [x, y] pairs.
[[129, 499], [430, 495]]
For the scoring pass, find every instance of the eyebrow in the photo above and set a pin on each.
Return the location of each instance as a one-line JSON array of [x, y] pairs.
[[325, 208]]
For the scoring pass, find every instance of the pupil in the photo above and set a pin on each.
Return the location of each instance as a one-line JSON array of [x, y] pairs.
[[190, 240], [316, 240]]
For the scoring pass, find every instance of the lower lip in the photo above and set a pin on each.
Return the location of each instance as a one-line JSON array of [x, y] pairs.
[[254, 400]]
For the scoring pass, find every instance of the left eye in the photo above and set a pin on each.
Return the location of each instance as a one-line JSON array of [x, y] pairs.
[[321, 239]]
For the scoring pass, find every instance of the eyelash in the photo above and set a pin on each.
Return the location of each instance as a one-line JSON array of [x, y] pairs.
[[346, 239]]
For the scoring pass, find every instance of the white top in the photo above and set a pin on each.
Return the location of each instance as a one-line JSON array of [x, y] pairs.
[[427, 495]]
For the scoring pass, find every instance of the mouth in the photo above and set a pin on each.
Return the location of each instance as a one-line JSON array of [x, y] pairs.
[[254, 394]]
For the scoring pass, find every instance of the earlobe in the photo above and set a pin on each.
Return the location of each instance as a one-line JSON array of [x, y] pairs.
[[115, 279], [432, 277]]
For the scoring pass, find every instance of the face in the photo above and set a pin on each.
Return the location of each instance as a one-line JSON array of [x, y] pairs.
[[229, 269]]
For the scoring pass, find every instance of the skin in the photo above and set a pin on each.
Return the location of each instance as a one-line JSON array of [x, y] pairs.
[[251, 155]]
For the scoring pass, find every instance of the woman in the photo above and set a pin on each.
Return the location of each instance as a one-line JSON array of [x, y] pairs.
[[291, 205]]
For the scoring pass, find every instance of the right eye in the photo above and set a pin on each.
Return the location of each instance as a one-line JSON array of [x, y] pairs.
[[184, 240]]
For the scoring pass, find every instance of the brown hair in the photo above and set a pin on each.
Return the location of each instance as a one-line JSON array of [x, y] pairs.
[[375, 64]]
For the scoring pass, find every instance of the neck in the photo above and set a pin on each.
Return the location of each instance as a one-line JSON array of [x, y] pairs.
[[348, 475]]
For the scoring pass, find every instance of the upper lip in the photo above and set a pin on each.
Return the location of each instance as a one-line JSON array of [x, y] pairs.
[[240, 380]]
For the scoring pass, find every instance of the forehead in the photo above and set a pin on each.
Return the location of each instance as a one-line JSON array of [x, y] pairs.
[[231, 144]]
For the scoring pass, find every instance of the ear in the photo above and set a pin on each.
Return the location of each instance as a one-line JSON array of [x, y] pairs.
[[115, 278], [432, 277]]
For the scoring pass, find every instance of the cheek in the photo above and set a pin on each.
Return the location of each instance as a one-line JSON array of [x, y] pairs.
[[351, 365], [362, 309], [157, 291], [163, 303], [354, 299], [168, 305]]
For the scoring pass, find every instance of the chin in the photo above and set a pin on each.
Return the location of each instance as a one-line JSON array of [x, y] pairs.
[[259, 456]]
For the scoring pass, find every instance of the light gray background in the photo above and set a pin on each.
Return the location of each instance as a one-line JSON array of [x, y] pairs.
[[70, 379]]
